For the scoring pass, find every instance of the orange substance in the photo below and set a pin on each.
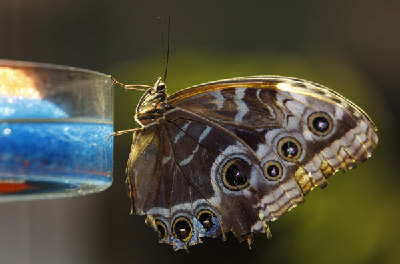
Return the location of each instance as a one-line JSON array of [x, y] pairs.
[[13, 187]]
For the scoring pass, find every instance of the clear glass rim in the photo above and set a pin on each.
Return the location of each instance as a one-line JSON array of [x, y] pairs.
[[30, 64]]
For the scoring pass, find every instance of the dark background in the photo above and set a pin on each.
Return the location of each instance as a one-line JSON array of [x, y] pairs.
[[349, 46]]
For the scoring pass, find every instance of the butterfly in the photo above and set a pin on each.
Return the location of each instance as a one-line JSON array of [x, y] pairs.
[[235, 154]]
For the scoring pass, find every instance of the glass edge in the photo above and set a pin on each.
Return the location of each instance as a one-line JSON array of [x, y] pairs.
[[32, 64]]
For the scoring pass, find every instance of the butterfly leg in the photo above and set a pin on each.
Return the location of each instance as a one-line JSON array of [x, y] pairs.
[[121, 132], [268, 231], [250, 240], [134, 87]]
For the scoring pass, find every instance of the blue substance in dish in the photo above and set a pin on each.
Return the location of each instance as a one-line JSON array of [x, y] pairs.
[[55, 148], [52, 156], [18, 107]]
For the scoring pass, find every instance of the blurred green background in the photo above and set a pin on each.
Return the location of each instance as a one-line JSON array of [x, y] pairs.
[[352, 47]]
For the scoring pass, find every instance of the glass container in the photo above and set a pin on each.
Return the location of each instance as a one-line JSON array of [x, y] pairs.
[[54, 124]]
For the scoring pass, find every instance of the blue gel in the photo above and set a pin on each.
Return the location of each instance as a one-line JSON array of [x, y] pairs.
[[18, 107], [50, 154]]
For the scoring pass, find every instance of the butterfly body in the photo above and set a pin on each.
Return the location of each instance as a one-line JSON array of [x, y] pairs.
[[233, 155], [152, 104]]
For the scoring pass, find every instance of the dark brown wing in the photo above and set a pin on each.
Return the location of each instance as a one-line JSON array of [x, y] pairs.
[[235, 154], [258, 108], [267, 112], [173, 176]]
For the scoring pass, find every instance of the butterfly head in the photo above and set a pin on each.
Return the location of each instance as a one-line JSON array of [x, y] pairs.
[[159, 86], [152, 104]]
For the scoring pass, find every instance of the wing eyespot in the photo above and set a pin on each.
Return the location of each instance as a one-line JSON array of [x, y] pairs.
[[289, 149], [234, 174], [182, 229], [273, 170], [162, 229], [205, 217], [320, 123]]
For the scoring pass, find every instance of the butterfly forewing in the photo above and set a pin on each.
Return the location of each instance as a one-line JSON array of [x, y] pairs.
[[291, 102], [234, 154]]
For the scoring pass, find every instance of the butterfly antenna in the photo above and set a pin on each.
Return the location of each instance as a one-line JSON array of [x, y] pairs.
[[162, 39], [167, 56], [165, 51]]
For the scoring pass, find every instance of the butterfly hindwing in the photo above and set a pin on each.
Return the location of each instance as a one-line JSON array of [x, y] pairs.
[[202, 151]]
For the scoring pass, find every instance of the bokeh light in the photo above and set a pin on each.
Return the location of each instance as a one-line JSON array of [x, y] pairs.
[[15, 83]]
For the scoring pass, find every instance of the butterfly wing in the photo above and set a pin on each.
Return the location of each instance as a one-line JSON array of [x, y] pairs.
[[169, 180], [260, 110], [234, 154]]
